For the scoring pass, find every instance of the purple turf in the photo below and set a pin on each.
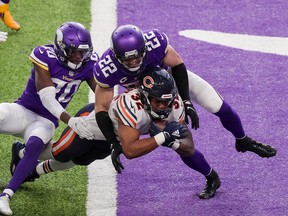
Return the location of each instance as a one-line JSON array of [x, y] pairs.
[[253, 83]]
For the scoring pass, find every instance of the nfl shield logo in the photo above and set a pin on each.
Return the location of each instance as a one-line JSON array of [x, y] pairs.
[[71, 73]]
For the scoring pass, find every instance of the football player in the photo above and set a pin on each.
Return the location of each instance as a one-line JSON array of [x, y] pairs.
[[155, 108], [58, 70], [131, 51], [6, 16]]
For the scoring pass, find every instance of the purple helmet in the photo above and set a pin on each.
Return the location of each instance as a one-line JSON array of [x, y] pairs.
[[157, 83], [128, 42], [73, 44]]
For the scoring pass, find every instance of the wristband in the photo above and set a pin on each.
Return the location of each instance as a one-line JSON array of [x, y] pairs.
[[160, 138]]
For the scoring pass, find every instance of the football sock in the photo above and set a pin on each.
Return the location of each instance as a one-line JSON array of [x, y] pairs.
[[230, 120], [197, 162], [34, 147]]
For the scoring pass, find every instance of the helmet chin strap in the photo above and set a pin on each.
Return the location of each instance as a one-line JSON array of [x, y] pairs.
[[74, 66]]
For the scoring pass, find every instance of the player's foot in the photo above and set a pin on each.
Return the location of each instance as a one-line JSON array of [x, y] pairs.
[[4, 204], [248, 144], [7, 18], [212, 184], [16, 147], [32, 177]]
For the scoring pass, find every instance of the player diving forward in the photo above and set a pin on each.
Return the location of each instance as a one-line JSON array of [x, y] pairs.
[[133, 113], [124, 62]]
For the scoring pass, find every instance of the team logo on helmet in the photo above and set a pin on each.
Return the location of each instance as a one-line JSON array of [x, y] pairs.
[[148, 82]]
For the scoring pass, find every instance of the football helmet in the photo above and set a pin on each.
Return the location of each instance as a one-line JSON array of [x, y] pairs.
[[128, 44], [72, 44], [157, 83]]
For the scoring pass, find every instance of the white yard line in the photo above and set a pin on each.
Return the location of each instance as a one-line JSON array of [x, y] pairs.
[[102, 191]]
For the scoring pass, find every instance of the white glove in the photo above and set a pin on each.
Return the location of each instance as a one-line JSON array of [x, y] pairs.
[[3, 36], [79, 125]]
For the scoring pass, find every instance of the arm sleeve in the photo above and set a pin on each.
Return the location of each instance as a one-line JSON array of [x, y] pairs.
[[106, 126], [47, 97], [180, 76]]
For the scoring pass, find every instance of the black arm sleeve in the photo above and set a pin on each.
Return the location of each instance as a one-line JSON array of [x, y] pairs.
[[106, 126], [180, 76]]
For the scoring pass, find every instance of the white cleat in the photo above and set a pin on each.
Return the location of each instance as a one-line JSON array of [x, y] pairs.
[[4, 205]]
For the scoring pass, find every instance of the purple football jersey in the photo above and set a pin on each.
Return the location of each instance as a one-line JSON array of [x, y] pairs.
[[109, 72], [66, 80]]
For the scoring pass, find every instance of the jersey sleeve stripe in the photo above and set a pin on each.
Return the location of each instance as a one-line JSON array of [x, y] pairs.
[[64, 142], [125, 114], [38, 62]]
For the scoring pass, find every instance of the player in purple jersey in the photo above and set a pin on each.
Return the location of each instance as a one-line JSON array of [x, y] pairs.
[[154, 103], [133, 50], [58, 70]]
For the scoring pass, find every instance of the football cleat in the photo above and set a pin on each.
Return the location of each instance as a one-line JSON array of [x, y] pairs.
[[212, 184], [4, 204], [7, 18], [16, 147], [32, 177], [248, 144]]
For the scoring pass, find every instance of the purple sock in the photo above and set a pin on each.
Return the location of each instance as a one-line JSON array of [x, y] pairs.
[[197, 162], [230, 120], [33, 150]]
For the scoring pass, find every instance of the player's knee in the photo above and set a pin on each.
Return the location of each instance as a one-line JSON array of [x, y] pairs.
[[3, 114], [189, 150], [225, 109]]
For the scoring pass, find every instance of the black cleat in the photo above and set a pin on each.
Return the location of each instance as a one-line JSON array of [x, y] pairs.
[[16, 147], [248, 144], [212, 184], [32, 177]]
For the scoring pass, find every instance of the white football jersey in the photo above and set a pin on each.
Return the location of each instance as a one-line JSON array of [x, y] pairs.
[[130, 110]]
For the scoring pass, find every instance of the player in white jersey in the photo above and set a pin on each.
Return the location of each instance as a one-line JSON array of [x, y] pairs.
[[154, 107]]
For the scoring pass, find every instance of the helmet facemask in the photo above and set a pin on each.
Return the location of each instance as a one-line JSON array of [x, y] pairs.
[[167, 99], [158, 92], [133, 55]]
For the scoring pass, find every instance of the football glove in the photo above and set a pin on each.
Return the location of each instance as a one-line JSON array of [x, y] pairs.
[[116, 151], [191, 112], [79, 125], [3, 36], [173, 131]]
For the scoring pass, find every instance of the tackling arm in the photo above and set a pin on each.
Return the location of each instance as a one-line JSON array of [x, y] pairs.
[[179, 73], [47, 93]]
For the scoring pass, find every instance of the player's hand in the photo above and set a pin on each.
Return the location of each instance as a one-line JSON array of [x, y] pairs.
[[153, 130], [173, 131], [116, 151], [79, 125], [191, 112], [3, 36]]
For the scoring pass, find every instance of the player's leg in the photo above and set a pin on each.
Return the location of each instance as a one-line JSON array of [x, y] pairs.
[[194, 159], [36, 135], [206, 96]]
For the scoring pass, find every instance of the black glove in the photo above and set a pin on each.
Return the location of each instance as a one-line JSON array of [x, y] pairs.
[[191, 112], [116, 151], [173, 131]]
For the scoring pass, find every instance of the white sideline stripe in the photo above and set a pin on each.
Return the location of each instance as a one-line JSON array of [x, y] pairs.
[[265, 44], [102, 191]]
